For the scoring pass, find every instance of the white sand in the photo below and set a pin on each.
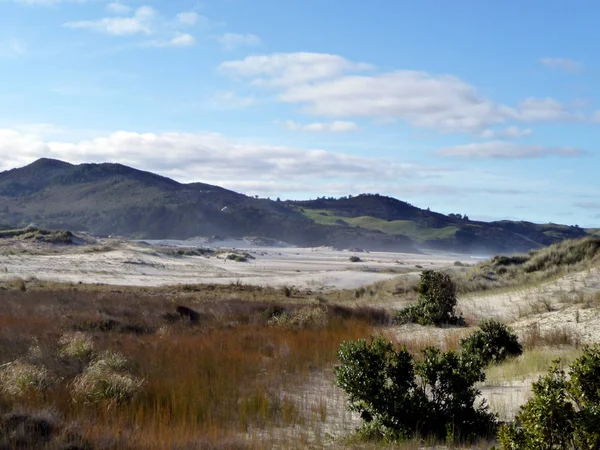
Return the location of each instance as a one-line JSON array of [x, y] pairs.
[[140, 264]]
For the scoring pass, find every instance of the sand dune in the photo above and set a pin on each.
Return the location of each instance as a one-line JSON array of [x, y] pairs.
[[141, 264]]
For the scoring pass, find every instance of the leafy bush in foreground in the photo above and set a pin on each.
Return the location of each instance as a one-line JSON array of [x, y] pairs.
[[492, 343], [564, 412], [437, 300], [399, 397]]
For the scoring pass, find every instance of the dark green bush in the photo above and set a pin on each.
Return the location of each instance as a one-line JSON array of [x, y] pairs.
[[564, 412], [398, 397], [492, 343], [436, 304]]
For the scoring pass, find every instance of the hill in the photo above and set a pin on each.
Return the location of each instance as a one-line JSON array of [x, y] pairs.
[[113, 199], [431, 229]]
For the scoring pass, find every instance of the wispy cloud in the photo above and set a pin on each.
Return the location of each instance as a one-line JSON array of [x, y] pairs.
[[511, 132], [332, 86], [588, 205], [118, 8], [208, 157], [48, 2], [231, 41], [507, 150], [188, 18], [145, 21], [13, 48], [545, 110], [181, 40], [141, 22], [565, 64], [337, 126], [230, 99]]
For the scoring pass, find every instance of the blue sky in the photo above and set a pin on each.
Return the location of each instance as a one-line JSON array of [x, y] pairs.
[[478, 107]]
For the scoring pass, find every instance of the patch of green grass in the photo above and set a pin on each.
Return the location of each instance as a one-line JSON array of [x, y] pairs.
[[530, 364], [399, 227]]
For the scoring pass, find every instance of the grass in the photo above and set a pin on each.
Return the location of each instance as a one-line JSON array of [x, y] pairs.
[[120, 362], [529, 365], [38, 234], [402, 227], [531, 268], [220, 383]]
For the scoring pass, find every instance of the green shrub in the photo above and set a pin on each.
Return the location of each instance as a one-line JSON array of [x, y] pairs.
[[494, 342], [564, 412], [355, 259], [546, 419], [436, 303], [398, 397]]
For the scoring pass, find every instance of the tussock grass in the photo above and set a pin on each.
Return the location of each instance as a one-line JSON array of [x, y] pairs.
[[106, 380], [76, 345], [558, 336], [531, 268], [222, 382], [19, 378]]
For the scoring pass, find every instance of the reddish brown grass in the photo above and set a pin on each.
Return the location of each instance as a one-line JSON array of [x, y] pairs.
[[210, 385]]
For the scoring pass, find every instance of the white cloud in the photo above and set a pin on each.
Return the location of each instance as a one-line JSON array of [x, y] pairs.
[[511, 132], [48, 2], [337, 126], [507, 150], [13, 48], [181, 40], [596, 116], [118, 8], [187, 18], [140, 23], [232, 100], [568, 65], [207, 157], [332, 86], [285, 69], [231, 41], [439, 102], [544, 110]]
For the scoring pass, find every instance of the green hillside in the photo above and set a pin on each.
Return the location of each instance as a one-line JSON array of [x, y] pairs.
[[399, 227]]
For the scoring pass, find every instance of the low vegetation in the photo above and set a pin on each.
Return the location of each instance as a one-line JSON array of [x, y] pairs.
[[39, 235], [399, 397], [232, 366], [436, 304], [227, 379], [563, 412], [492, 343], [533, 267]]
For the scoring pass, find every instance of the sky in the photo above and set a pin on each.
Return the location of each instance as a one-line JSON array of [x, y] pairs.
[[484, 108]]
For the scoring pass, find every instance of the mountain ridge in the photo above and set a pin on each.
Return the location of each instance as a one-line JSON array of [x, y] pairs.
[[110, 198]]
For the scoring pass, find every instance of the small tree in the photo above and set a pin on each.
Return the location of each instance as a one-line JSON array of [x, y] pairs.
[[492, 343], [564, 413], [436, 304], [399, 397], [546, 419]]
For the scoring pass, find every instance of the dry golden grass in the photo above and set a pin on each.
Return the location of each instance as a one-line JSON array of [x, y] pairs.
[[136, 376]]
